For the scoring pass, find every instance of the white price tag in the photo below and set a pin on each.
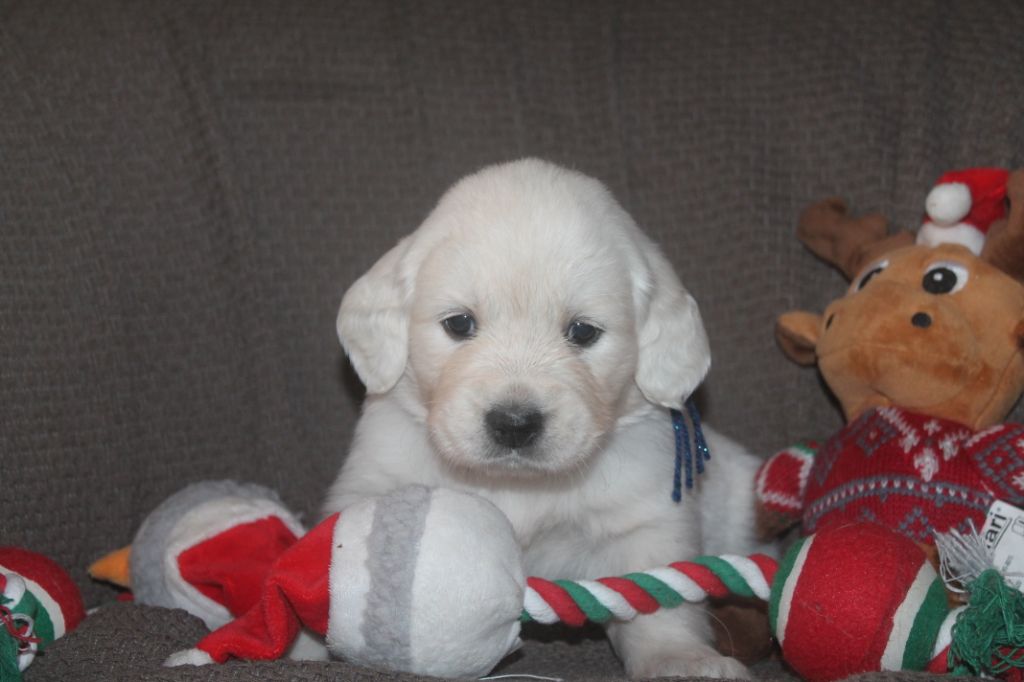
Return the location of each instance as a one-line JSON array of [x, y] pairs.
[[1003, 534]]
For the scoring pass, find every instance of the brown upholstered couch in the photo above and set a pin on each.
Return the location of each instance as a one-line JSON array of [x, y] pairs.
[[187, 187]]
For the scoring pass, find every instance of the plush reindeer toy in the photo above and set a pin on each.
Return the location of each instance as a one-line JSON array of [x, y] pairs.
[[924, 354]]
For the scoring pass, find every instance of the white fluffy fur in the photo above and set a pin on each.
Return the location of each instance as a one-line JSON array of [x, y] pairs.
[[527, 248]]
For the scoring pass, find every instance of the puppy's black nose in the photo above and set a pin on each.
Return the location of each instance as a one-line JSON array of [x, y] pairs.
[[922, 320], [514, 426]]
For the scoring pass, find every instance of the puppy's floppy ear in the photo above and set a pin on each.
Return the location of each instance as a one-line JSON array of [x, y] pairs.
[[674, 351], [373, 321]]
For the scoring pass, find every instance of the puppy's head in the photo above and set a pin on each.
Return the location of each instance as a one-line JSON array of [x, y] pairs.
[[525, 317]]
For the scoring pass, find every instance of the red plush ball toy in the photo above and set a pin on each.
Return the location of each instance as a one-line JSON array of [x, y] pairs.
[[857, 598], [38, 603]]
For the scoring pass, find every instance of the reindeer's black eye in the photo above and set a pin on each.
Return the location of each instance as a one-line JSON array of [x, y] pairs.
[[876, 268], [582, 334], [944, 278], [460, 327]]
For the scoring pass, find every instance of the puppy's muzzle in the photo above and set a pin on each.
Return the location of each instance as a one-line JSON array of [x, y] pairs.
[[514, 426]]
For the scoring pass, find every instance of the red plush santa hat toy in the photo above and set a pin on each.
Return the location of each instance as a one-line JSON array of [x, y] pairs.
[[962, 205]]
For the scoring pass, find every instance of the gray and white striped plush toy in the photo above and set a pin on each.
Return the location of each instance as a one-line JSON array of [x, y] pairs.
[[421, 580]]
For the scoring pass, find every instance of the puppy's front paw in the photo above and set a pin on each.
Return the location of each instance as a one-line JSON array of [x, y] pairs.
[[672, 643], [689, 664]]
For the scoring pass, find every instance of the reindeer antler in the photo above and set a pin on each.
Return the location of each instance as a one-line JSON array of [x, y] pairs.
[[1004, 245], [848, 243]]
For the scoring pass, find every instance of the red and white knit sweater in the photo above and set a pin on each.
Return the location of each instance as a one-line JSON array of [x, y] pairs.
[[910, 472]]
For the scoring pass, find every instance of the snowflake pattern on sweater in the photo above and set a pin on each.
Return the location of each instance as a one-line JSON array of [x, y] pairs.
[[914, 473]]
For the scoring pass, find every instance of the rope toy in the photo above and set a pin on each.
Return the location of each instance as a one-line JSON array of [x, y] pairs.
[[624, 598], [990, 632]]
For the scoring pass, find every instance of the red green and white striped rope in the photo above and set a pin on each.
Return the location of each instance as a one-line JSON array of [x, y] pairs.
[[574, 602]]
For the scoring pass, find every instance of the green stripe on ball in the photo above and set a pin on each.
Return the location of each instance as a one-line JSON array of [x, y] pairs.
[[926, 626], [785, 568], [42, 626]]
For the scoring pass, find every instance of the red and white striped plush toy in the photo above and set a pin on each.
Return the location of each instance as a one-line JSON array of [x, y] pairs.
[[431, 581]]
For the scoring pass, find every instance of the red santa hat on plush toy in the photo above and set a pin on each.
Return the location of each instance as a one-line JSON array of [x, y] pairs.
[[962, 205]]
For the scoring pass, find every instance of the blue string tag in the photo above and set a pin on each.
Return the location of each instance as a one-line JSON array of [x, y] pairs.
[[685, 455]]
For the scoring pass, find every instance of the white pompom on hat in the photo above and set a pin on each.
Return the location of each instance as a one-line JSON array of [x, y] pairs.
[[948, 203]]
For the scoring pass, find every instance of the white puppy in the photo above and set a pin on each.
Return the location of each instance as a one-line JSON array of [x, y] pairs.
[[526, 344]]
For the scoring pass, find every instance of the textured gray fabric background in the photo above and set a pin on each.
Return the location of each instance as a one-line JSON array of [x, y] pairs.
[[187, 188]]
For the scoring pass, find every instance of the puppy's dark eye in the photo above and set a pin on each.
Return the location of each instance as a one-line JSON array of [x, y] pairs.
[[460, 327], [582, 334]]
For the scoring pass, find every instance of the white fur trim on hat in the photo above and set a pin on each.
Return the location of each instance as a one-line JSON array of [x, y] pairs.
[[963, 234]]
